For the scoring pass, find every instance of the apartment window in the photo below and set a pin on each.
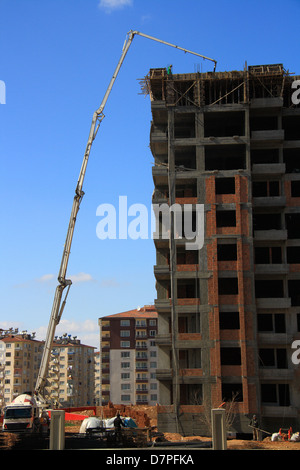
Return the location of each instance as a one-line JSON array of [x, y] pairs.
[[232, 391], [125, 322], [125, 353], [229, 320], [125, 365], [124, 333], [125, 375], [125, 398], [225, 185], [226, 218], [275, 394], [152, 322], [231, 356], [125, 386], [125, 344], [152, 332], [227, 252], [275, 358], [228, 286], [271, 323]]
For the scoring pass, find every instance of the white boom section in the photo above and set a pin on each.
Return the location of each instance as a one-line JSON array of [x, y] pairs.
[[58, 304]]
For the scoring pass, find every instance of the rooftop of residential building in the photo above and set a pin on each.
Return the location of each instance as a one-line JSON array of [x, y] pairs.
[[148, 311]]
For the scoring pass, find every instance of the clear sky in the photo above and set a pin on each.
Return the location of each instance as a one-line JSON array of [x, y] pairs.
[[57, 58]]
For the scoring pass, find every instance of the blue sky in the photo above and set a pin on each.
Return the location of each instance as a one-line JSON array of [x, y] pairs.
[[57, 58]]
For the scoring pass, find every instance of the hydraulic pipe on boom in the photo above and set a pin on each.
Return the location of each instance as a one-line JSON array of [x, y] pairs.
[[58, 304]]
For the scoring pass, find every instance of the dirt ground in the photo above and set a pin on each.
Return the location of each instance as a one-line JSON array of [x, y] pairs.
[[232, 444]]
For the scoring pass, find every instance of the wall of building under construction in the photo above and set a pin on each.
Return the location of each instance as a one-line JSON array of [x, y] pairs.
[[229, 312]]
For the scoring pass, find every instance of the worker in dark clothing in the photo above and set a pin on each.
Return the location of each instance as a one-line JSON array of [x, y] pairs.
[[118, 423], [254, 424]]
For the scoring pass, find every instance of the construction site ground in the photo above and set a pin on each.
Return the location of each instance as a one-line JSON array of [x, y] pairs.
[[146, 417], [149, 414]]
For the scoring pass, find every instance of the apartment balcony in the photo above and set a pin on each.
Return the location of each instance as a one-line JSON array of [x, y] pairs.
[[274, 374], [262, 103], [274, 169], [266, 269], [273, 303], [164, 374], [276, 136], [279, 411], [269, 201], [270, 235], [142, 401], [162, 272], [162, 305], [274, 339], [139, 368], [163, 339]]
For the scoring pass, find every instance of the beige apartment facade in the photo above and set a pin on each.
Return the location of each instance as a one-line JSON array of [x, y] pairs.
[[71, 375]]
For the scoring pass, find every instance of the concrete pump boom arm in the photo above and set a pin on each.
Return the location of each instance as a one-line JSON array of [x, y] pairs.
[[58, 304]]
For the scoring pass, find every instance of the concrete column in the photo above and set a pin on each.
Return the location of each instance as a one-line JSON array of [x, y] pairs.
[[219, 437], [57, 430]]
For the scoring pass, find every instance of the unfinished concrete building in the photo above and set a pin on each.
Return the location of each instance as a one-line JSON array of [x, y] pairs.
[[229, 312]]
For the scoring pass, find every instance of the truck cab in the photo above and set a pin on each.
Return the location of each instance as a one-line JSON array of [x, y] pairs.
[[22, 414]]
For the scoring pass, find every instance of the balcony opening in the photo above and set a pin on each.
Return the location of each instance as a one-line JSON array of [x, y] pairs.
[[275, 394], [293, 254], [229, 320], [190, 359], [224, 124], [191, 394], [291, 158], [271, 288], [229, 157], [232, 391], [228, 286], [294, 292], [268, 255], [185, 158], [264, 156], [187, 289], [184, 125], [225, 185], [189, 323], [291, 126], [295, 188], [274, 358], [188, 189], [227, 251], [226, 218], [186, 256], [263, 123], [267, 221], [292, 222], [265, 188], [271, 323]]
